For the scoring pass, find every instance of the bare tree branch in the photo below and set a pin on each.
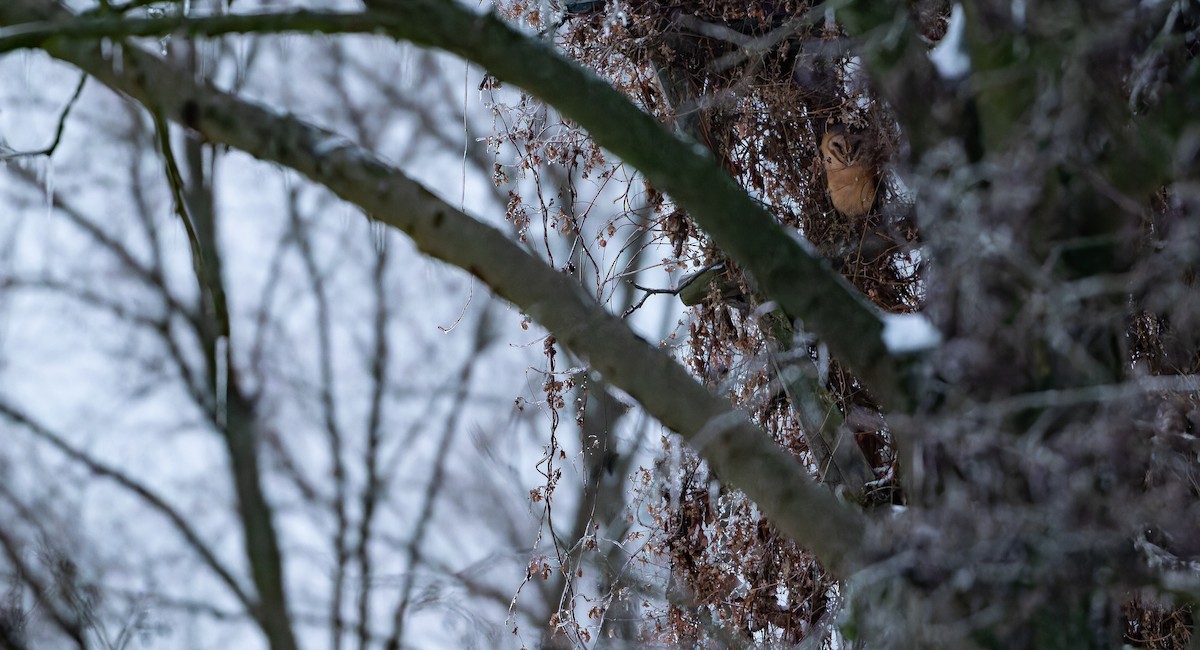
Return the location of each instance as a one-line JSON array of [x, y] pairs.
[[436, 482], [373, 483], [155, 502], [786, 270], [329, 416], [738, 450]]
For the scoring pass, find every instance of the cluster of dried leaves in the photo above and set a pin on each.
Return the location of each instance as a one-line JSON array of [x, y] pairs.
[[757, 82]]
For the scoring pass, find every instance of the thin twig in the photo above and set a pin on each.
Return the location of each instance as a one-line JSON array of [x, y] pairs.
[[153, 500], [49, 150]]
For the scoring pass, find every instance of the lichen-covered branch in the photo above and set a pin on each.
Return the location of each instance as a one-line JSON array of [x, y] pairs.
[[740, 452], [785, 269]]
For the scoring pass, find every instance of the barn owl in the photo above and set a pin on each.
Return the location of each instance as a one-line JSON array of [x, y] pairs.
[[849, 172]]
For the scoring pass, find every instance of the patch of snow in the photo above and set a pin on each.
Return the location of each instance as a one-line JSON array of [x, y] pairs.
[[908, 333], [949, 56]]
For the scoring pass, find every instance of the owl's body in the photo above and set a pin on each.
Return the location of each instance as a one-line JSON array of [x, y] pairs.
[[851, 175]]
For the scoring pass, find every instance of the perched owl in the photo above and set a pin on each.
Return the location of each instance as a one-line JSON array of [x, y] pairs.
[[850, 173]]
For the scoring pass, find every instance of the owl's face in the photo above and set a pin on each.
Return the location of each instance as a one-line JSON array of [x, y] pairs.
[[840, 150]]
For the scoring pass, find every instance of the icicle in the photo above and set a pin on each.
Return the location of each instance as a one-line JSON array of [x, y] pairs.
[[379, 235], [203, 58], [822, 364], [43, 171], [676, 472], [221, 364], [118, 60], [239, 61], [47, 180], [26, 71], [158, 12], [405, 64]]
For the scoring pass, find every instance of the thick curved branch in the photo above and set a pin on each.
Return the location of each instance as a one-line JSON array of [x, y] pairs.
[[36, 32], [785, 269], [740, 452]]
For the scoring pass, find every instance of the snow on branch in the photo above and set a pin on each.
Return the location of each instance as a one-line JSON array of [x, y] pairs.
[[737, 449], [797, 278]]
